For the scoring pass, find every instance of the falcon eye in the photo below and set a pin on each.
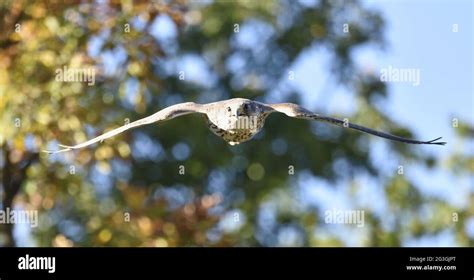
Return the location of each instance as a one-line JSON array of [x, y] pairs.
[[229, 109], [246, 107]]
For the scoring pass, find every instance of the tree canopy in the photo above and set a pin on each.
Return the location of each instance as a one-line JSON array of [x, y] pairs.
[[176, 184]]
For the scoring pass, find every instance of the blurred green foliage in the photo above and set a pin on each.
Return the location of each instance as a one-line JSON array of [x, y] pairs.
[[145, 200]]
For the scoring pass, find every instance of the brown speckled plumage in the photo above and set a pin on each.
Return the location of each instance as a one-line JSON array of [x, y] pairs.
[[238, 135]]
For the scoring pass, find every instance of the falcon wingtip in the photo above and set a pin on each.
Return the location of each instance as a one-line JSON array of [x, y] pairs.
[[436, 142], [66, 148]]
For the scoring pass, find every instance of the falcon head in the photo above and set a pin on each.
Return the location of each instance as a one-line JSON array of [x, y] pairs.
[[240, 107], [236, 115]]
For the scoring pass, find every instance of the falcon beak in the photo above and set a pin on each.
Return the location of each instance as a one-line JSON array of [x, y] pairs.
[[243, 111]]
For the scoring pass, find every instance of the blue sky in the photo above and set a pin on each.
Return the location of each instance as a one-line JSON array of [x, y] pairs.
[[419, 35]]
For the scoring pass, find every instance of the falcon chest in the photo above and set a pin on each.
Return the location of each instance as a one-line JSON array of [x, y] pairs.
[[237, 130]]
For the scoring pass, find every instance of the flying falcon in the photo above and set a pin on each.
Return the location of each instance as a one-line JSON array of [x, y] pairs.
[[238, 120]]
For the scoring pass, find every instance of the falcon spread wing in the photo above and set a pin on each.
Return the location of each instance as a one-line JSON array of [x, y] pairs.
[[296, 111], [162, 115]]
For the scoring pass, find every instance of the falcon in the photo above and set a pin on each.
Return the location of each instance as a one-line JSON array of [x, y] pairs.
[[238, 120]]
